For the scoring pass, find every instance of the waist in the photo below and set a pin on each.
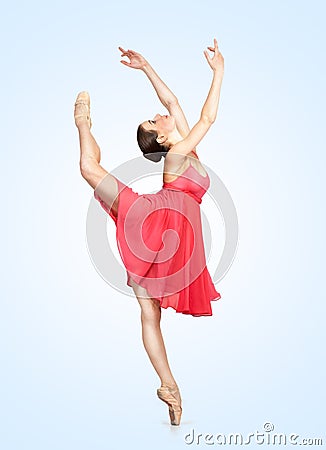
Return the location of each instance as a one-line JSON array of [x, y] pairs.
[[174, 188]]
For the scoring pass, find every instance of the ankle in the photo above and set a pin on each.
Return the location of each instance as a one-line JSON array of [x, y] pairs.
[[82, 124], [170, 384]]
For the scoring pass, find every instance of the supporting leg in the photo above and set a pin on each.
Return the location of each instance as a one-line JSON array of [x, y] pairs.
[[152, 335], [153, 341]]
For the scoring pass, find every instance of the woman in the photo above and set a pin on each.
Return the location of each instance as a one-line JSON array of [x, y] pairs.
[[164, 269]]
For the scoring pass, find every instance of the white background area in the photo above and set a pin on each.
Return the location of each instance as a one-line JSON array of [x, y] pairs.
[[74, 372]]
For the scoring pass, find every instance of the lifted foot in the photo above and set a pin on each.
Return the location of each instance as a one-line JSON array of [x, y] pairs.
[[82, 109]]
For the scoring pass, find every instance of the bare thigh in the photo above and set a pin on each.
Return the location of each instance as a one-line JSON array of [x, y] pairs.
[[144, 299], [104, 184]]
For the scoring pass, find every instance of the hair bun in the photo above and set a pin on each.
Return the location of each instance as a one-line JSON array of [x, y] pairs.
[[155, 157]]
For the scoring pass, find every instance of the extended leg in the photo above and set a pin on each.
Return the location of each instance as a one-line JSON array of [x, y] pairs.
[[90, 154]]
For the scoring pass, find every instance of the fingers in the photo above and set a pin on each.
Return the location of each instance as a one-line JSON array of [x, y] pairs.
[[126, 52], [214, 49], [207, 56], [125, 63], [211, 60], [216, 46]]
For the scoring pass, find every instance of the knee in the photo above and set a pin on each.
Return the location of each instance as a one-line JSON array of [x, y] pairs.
[[150, 310], [92, 171], [87, 167]]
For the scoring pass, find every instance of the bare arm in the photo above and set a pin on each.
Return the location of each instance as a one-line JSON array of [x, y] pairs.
[[166, 96], [168, 99], [209, 110]]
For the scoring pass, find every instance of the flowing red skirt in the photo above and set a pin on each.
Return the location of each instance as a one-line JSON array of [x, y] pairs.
[[159, 238]]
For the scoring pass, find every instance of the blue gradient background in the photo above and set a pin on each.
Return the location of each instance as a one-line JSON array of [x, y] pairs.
[[74, 373]]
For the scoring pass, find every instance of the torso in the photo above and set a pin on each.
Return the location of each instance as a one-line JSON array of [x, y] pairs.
[[178, 164]]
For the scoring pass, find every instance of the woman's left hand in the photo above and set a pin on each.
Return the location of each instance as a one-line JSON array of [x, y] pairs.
[[217, 61], [137, 61]]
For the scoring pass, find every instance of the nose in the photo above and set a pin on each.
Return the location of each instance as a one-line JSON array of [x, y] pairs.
[[158, 116]]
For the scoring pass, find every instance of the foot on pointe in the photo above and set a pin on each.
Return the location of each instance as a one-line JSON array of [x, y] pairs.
[[82, 109]]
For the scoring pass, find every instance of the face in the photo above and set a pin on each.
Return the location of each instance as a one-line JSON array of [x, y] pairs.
[[162, 124]]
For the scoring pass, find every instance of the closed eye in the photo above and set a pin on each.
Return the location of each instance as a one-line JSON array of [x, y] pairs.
[[152, 122]]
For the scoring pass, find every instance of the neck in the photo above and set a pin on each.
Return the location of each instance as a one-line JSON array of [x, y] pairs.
[[175, 137]]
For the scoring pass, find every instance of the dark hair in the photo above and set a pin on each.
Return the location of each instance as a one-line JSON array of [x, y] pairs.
[[148, 144]]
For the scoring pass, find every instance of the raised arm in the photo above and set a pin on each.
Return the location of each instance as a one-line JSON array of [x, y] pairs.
[[209, 110], [166, 96]]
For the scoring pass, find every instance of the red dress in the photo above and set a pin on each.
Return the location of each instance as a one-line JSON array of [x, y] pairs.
[[160, 241]]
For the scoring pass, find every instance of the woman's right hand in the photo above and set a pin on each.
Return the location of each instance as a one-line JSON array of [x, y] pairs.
[[217, 60], [137, 61]]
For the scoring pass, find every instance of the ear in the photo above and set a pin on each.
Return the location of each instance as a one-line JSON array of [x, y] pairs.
[[161, 139]]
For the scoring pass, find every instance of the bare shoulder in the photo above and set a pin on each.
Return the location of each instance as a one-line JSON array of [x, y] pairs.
[[175, 164], [173, 159]]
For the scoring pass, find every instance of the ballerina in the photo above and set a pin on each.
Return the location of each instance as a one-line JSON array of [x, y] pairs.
[[174, 274]]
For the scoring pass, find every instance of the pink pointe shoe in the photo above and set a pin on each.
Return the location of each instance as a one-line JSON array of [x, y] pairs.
[[83, 112], [171, 396]]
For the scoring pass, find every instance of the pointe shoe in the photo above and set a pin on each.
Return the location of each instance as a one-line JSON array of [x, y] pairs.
[[83, 112], [171, 396]]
